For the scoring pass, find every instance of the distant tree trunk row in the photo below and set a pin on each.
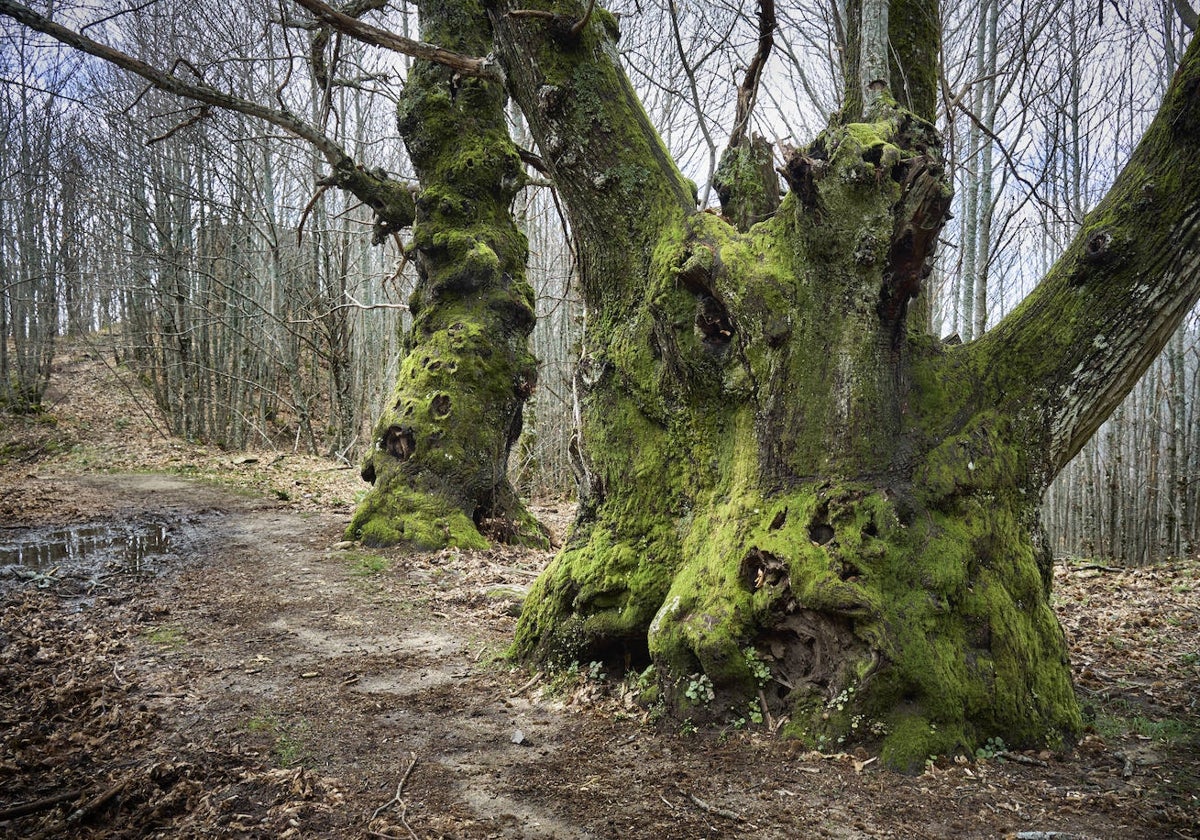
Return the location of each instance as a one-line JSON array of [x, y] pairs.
[[1031, 145], [1133, 493]]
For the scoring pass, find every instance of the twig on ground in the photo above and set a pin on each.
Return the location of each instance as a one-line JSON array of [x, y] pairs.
[[396, 800], [762, 702], [1099, 567], [97, 802], [714, 810], [38, 805], [532, 682], [1022, 759]]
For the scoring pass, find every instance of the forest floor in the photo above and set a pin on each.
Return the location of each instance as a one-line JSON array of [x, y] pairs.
[[229, 667]]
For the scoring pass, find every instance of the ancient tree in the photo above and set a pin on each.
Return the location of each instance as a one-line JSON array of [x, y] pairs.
[[789, 489], [791, 495]]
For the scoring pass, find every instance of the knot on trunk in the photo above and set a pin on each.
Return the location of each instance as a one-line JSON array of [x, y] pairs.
[[803, 171], [713, 324], [400, 442], [921, 212]]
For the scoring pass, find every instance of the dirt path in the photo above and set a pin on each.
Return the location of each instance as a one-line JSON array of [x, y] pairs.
[[266, 680]]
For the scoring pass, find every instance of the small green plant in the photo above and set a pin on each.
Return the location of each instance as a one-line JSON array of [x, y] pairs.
[[644, 680], [288, 748], [699, 690], [364, 565], [169, 636], [563, 679], [596, 672], [994, 747], [753, 714], [842, 699], [759, 669], [687, 727]]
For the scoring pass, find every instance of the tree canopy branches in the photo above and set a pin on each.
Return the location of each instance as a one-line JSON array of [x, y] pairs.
[[390, 199]]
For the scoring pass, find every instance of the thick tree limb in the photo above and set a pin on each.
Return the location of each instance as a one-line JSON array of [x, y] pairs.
[[873, 63], [368, 34], [1075, 347], [390, 199], [612, 170], [1187, 15]]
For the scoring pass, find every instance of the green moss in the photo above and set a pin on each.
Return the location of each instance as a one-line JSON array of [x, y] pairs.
[[746, 182], [442, 447], [775, 467], [420, 520]]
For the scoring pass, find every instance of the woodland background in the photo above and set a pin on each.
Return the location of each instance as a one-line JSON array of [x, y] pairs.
[[251, 307]]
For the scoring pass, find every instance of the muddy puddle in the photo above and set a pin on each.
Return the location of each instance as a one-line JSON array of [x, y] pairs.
[[86, 553]]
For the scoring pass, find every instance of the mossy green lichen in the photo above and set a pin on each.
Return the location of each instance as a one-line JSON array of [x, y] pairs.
[[778, 468], [441, 449], [421, 520]]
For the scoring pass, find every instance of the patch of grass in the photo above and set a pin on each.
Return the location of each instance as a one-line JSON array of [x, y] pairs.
[[289, 748], [363, 564], [1113, 724], [260, 724], [170, 636]]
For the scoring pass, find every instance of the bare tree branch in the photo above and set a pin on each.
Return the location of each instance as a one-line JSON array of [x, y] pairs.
[[701, 120], [204, 111], [748, 92], [368, 34], [391, 200], [583, 21]]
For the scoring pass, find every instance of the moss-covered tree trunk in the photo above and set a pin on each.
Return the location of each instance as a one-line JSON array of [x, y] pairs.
[[439, 465], [791, 498]]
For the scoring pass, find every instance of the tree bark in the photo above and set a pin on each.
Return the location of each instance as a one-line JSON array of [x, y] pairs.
[[786, 488], [439, 466]]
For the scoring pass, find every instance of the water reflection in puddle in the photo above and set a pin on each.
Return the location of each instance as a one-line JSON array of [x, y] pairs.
[[88, 550]]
